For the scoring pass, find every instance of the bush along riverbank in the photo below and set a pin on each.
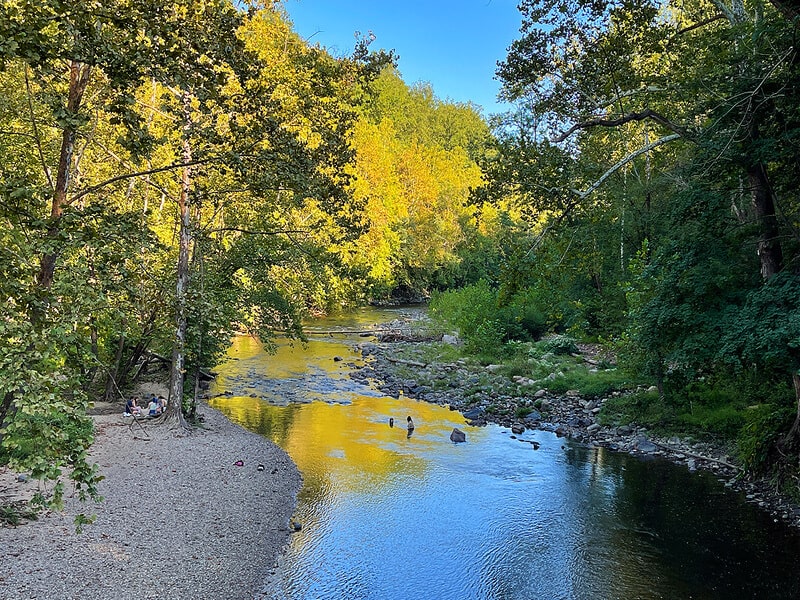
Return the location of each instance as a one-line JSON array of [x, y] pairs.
[[571, 389]]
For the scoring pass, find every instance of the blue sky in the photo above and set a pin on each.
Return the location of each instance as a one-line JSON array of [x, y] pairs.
[[452, 44]]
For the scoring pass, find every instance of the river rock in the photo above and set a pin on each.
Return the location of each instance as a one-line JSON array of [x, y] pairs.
[[457, 436], [540, 393], [645, 445], [473, 413], [533, 417], [578, 422], [450, 339], [493, 368], [518, 428]]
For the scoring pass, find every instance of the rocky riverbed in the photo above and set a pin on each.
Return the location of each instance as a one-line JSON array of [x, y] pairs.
[[568, 415]]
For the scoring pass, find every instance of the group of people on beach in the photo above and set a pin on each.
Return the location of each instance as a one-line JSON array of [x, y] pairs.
[[156, 406]]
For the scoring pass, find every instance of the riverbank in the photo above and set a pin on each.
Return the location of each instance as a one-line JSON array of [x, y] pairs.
[[568, 415], [179, 519]]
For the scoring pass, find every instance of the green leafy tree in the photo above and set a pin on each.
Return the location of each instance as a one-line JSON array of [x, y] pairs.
[[667, 126]]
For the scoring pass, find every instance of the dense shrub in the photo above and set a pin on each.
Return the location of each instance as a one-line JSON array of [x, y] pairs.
[[483, 324], [561, 344], [763, 426]]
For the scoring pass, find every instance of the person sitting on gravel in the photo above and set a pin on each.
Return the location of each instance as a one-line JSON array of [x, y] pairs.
[[154, 408], [132, 407]]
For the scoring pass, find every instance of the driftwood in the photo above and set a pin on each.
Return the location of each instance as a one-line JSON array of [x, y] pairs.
[[413, 363], [719, 461]]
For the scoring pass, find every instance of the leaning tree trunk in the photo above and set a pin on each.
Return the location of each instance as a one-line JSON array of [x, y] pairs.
[[174, 412]]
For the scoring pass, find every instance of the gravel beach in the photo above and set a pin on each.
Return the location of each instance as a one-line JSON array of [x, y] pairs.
[[179, 519]]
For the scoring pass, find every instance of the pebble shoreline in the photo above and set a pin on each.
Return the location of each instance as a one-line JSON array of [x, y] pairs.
[[179, 519], [568, 415]]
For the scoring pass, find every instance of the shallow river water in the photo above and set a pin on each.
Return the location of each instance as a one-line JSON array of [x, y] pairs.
[[387, 516]]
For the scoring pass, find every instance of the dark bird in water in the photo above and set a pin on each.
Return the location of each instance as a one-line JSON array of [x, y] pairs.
[[260, 467]]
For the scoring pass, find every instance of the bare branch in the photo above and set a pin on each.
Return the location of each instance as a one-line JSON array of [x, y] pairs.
[[634, 116], [698, 25], [171, 167], [128, 165], [19, 133], [583, 194], [252, 232]]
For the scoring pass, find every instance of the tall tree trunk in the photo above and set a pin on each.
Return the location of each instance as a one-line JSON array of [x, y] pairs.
[[197, 259], [78, 80], [175, 402], [6, 410], [770, 253]]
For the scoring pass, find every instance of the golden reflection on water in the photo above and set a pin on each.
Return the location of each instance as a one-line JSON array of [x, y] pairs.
[[291, 359], [346, 439]]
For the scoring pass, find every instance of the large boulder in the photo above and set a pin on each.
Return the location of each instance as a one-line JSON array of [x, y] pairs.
[[457, 436]]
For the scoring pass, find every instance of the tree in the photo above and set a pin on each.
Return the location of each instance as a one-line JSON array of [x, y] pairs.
[[697, 98], [415, 168]]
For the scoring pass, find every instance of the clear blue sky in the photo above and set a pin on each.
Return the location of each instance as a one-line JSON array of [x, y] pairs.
[[452, 44]]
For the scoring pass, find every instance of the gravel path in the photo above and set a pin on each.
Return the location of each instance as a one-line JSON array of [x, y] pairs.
[[179, 520]]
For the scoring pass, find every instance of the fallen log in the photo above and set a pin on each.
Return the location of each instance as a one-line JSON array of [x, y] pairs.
[[413, 363]]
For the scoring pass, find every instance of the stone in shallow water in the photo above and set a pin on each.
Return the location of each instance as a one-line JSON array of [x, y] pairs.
[[458, 436]]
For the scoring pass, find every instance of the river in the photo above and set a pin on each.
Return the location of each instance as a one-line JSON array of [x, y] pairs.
[[386, 515]]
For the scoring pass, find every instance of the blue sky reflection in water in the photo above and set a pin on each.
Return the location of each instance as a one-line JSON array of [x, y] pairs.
[[385, 516]]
